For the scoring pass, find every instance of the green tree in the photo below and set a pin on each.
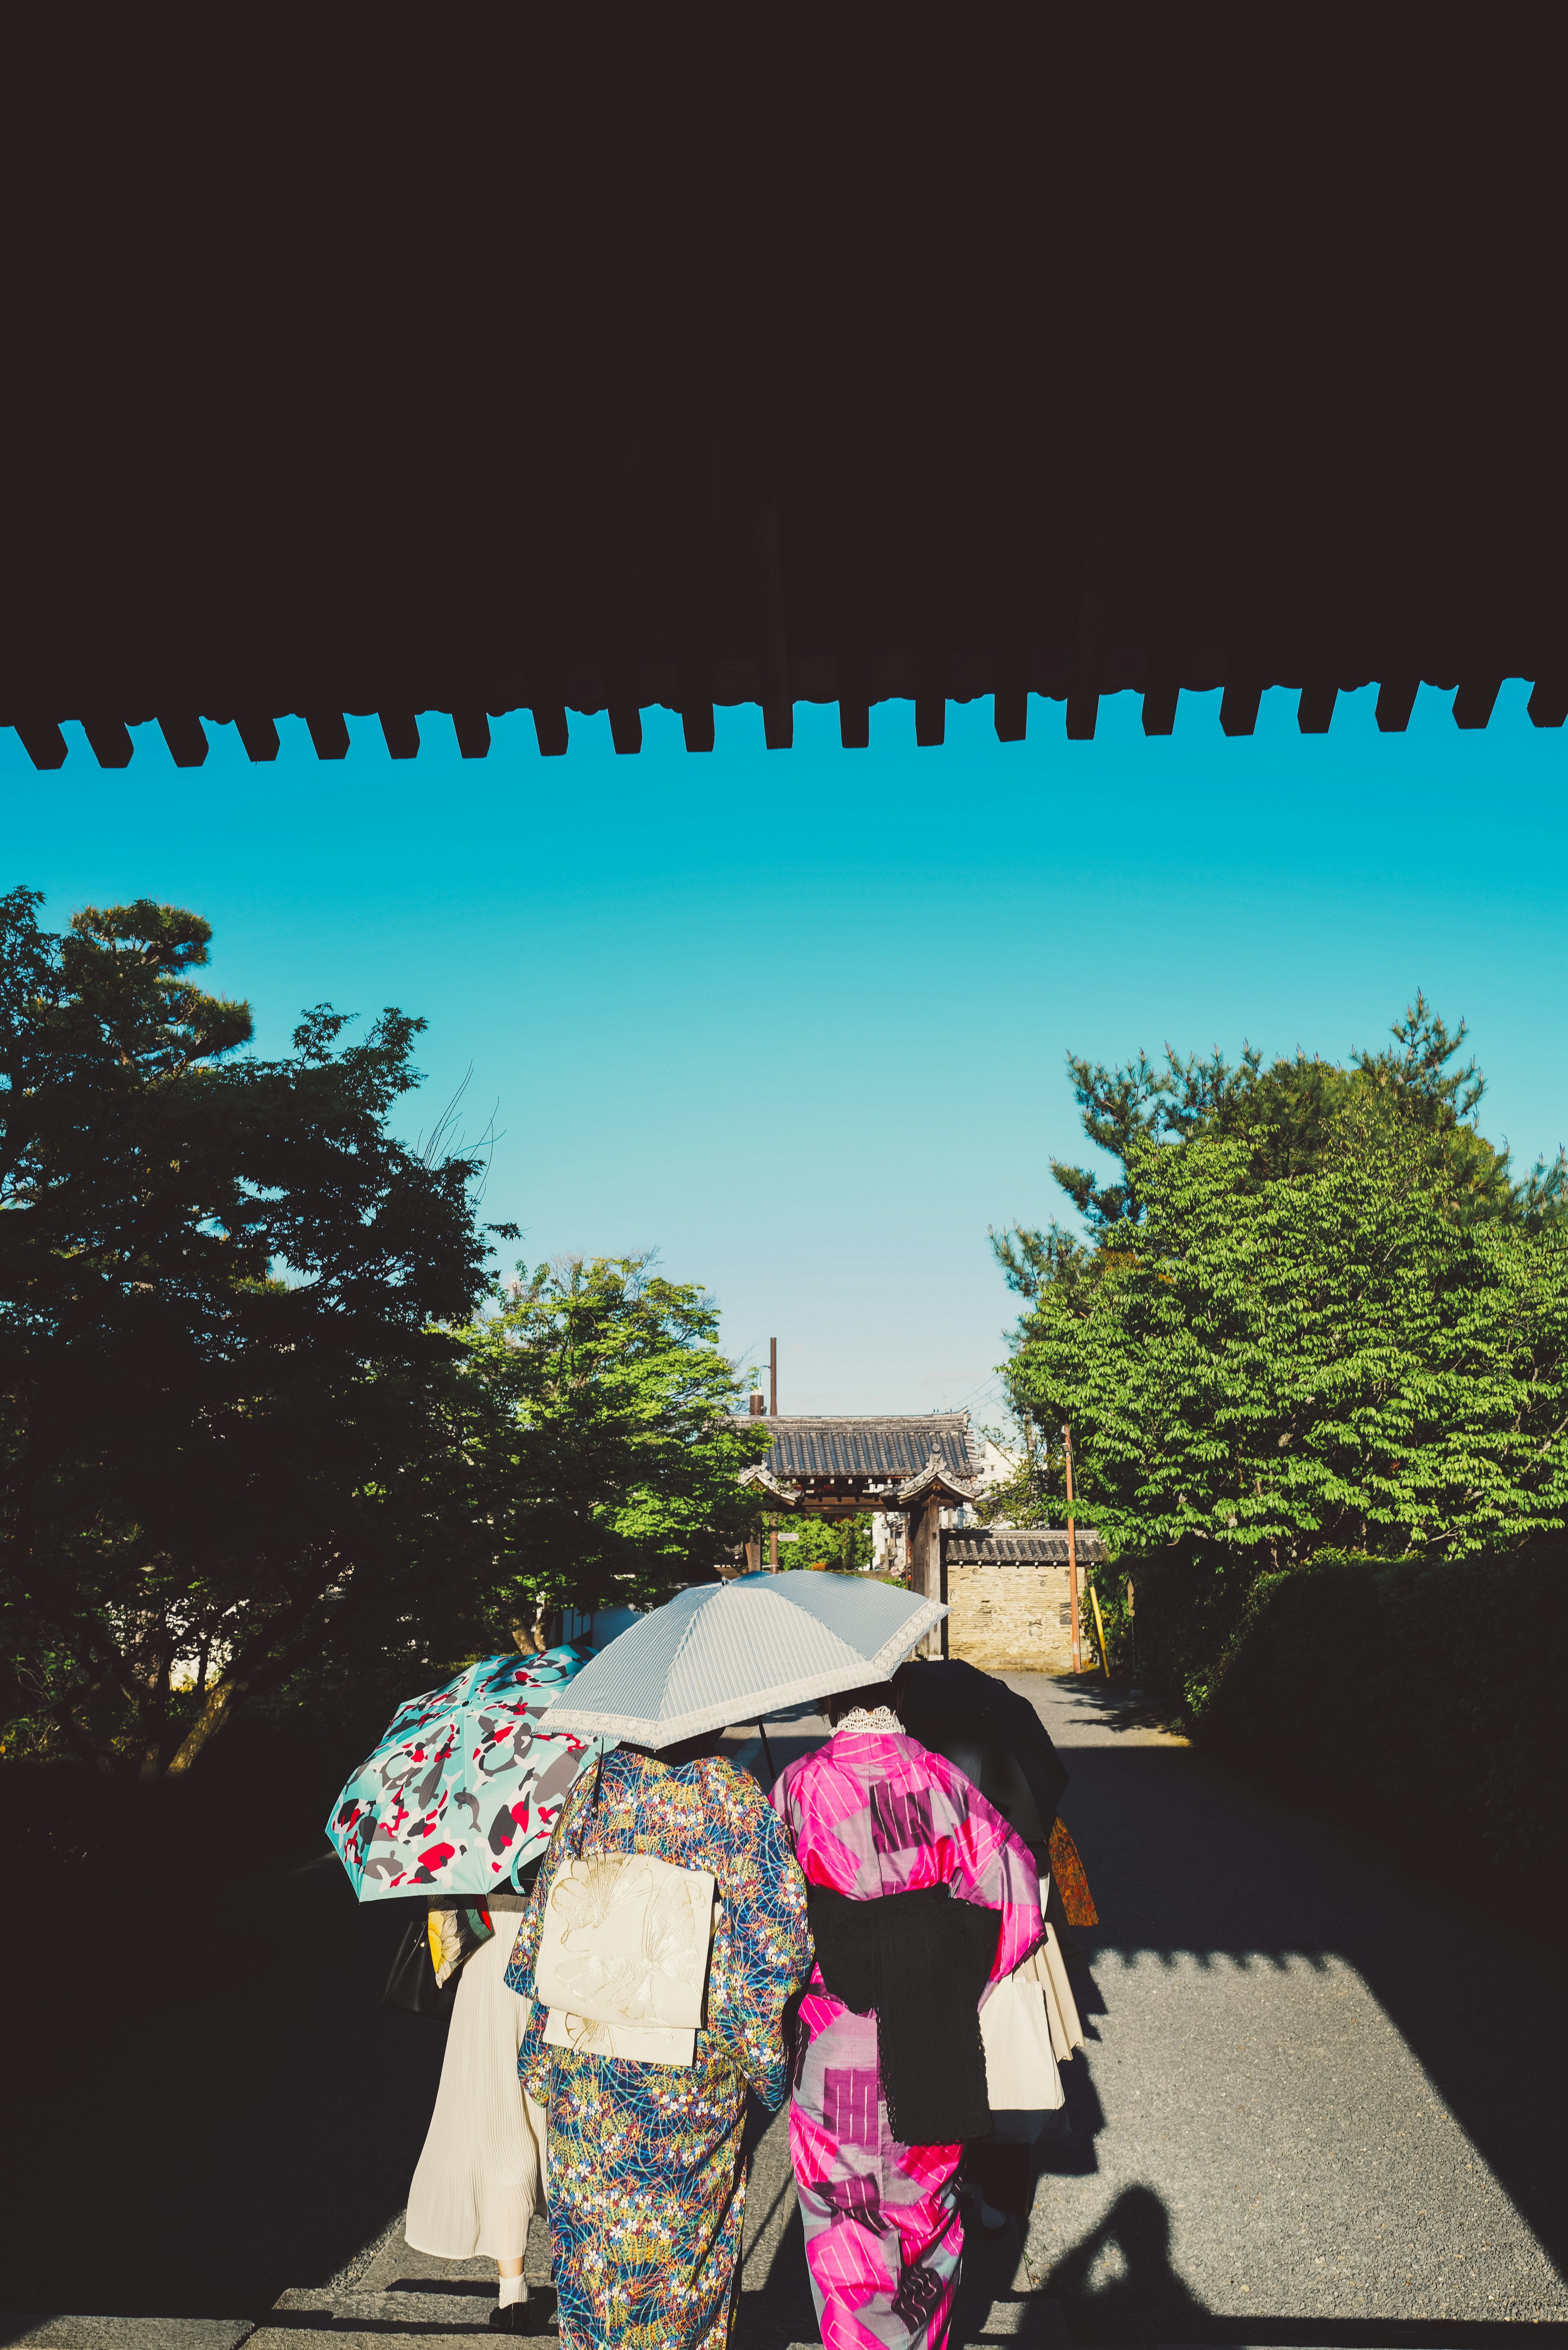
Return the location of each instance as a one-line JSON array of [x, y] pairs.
[[1413, 1102], [843, 1544], [603, 1428], [1329, 1358], [1287, 1115], [224, 1396]]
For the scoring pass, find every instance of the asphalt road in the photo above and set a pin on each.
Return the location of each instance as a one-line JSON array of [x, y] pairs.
[[1320, 2106], [1323, 2100]]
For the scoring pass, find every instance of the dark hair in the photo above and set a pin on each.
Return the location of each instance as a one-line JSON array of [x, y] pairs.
[[843, 1702], [706, 1743]]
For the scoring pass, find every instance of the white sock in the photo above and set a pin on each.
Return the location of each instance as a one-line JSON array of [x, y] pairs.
[[512, 2289]]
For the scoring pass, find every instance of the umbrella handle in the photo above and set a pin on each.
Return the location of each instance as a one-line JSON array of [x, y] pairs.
[[580, 1829], [767, 1751]]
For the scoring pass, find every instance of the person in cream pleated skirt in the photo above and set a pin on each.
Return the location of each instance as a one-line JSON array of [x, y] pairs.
[[481, 2174]]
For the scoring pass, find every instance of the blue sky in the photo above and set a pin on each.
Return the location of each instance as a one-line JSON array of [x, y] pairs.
[[797, 1020]]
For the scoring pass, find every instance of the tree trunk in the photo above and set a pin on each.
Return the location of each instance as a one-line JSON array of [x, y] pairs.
[[530, 1637], [155, 1710], [100, 1759], [251, 1670], [224, 1696]]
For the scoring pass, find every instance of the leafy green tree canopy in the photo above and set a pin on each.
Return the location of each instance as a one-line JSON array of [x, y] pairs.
[[841, 1544], [1287, 1115], [219, 1281], [1313, 1310], [604, 1419]]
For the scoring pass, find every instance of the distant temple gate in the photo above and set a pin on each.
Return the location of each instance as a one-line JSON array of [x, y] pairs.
[[1007, 1588]]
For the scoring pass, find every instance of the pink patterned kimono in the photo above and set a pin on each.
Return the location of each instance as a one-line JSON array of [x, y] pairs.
[[870, 1814]]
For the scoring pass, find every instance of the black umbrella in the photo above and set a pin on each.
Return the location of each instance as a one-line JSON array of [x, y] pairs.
[[990, 1733]]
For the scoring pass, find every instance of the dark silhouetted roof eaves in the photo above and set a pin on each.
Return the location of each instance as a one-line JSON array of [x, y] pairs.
[[1144, 465]]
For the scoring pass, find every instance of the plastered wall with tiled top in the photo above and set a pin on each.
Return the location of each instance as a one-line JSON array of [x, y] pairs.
[[1010, 1618]]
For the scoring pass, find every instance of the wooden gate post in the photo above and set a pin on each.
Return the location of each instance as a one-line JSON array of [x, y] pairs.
[[926, 1563]]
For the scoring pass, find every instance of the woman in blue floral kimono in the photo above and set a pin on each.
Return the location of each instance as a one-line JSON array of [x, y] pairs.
[[647, 2192]]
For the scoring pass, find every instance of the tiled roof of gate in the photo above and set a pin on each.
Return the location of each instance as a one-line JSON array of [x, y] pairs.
[[1020, 1546], [883, 1449]]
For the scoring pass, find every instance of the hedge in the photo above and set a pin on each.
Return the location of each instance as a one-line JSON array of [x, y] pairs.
[[1426, 1697]]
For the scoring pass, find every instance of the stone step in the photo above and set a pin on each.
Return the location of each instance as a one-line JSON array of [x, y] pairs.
[[412, 2311], [388, 2290], [21, 2330], [391, 2291]]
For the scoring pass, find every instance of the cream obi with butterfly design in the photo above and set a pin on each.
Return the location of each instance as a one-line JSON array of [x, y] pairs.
[[623, 1956]]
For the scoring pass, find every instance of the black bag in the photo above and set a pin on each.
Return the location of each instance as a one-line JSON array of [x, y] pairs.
[[410, 1983]]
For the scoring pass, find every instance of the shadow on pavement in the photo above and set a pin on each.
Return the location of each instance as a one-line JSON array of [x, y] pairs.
[[775, 2306], [777, 2309], [1189, 1856], [260, 2123], [1137, 2297], [1140, 2298], [249, 2132]]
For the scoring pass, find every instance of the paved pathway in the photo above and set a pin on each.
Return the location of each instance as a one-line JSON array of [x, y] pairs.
[[249, 2128], [1321, 2107], [1323, 2098], [1322, 2104]]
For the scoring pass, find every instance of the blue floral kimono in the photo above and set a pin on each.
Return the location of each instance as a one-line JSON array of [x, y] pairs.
[[646, 2196]]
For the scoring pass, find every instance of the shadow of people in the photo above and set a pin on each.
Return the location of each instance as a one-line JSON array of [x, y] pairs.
[[1137, 2295], [773, 2304], [776, 2308], [1066, 2147]]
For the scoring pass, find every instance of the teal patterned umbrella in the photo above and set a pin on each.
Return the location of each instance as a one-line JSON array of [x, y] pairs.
[[463, 1790]]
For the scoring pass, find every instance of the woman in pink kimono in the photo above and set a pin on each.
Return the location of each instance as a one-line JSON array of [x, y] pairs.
[[921, 1895]]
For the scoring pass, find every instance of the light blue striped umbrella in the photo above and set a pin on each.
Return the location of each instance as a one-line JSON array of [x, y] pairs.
[[725, 1652]]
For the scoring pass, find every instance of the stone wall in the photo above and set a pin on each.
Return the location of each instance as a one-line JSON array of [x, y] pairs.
[[1011, 1617]]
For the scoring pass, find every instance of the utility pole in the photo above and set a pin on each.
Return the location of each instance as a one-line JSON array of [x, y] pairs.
[[772, 1414], [1071, 1548]]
